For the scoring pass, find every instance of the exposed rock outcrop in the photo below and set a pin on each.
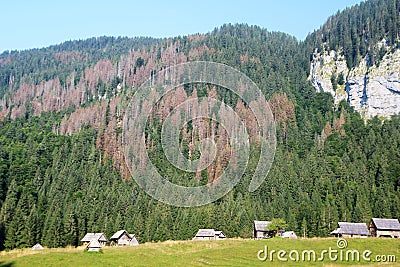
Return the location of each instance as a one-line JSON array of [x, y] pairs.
[[373, 90]]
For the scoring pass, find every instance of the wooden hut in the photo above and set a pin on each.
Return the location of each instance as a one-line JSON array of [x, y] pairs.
[[205, 234], [120, 238], [37, 247], [384, 227], [289, 234], [98, 236], [123, 238], [94, 245], [219, 235], [260, 230], [133, 241], [209, 234], [351, 230]]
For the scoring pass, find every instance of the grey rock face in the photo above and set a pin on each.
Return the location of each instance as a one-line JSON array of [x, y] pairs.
[[373, 90]]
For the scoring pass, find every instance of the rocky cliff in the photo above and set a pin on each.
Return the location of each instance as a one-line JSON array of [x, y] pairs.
[[373, 89]]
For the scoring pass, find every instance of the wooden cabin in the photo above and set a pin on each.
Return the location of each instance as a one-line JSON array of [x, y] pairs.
[[94, 246], [219, 235], [384, 227], [133, 241], [123, 238], [260, 230], [120, 238], [37, 247], [209, 234], [288, 234], [98, 236], [351, 230]]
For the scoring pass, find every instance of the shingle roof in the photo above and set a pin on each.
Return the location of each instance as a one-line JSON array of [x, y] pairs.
[[94, 243], [220, 234], [90, 236], [386, 224], [205, 233], [352, 228], [261, 225], [133, 241], [289, 234], [119, 233], [336, 231]]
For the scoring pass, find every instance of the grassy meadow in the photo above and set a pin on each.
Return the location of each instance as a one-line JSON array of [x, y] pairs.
[[232, 252]]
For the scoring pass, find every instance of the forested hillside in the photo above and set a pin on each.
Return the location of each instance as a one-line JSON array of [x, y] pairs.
[[62, 168]]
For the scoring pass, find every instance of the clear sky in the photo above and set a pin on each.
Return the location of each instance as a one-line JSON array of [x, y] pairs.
[[34, 24]]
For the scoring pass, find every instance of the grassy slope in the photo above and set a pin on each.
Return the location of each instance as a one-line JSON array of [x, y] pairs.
[[196, 253]]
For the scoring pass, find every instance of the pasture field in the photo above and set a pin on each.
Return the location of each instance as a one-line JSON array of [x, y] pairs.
[[231, 252]]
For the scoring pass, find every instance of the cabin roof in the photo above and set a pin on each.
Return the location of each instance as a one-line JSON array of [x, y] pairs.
[[220, 234], [261, 225], [336, 231], [90, 236], [289, 234], [386, 224], [119, 233], [352, 228], [94, 243], [37, 247], [133, 241], [205, 233]]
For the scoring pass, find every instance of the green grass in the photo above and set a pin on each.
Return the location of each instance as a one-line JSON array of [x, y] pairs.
[[234, 252]]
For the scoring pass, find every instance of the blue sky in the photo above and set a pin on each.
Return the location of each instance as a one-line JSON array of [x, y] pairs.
[[34, 24]]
